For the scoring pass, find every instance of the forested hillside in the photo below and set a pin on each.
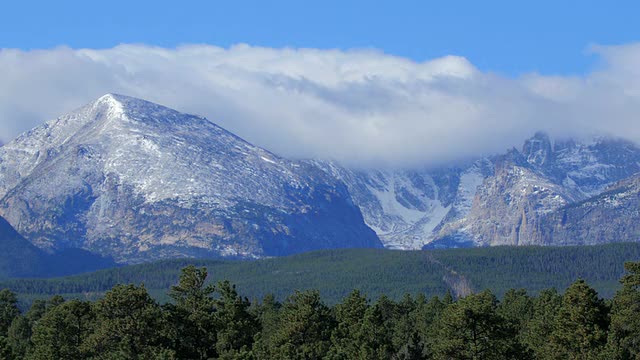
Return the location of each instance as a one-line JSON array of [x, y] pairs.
[[373, 271], [205, 321]]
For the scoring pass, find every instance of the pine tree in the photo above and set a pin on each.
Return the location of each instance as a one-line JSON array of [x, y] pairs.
[[130, 325], [406, 338], [268, 315], [472, 329], [349, 318], [580, 328], [624, 332], [19, 336], [36, 311], [193, 333], [5, 349], [191, 293], [61, 332], [376, 338], [411, 350], [8, 310], [537, 331], [236, 326], [426, 314], [305, 328]]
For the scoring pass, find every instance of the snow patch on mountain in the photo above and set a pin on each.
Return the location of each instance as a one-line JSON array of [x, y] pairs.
[[414, 220], [137, 181], [469, 182]]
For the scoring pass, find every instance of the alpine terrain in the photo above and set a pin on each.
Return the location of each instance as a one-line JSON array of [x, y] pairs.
[[136, 181], [565, 192]]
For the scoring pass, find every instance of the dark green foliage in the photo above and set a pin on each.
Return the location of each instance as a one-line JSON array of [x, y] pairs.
[[37, 311], [346, 336], [375, 272], [19, 336], [191, 293], [21, 330], [425, 315], [267, 313], [517, 308], [537, 331], [537, 268], [192, 316], [5, 349], [376, 339], [8, 310], [304, 329], [129, 325], [624, 332], [471, 328], [62, 331], [216, 322], [580, 327], [235, 325]]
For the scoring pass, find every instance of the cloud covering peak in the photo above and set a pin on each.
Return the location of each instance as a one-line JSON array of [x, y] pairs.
[[361, 107]]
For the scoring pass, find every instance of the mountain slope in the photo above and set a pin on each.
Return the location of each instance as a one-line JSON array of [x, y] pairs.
[[513, 205], [137, 181], [19, 258], [497, 200], [407, 207], [613, 216], [126, 178]]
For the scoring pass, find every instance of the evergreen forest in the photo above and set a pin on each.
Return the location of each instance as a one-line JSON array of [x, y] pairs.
[[214, 321], [375, 272]]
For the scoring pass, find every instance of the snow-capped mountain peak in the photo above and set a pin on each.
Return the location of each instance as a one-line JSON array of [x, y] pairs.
[[137, 181], [130, 178]]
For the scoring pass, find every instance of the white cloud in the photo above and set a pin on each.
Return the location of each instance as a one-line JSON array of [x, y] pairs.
[[362, 107]]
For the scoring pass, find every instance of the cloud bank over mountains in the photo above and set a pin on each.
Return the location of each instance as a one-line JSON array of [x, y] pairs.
[[361, 107]]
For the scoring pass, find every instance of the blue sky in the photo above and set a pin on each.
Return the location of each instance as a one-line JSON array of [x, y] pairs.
[[398, 83], [508, 37]]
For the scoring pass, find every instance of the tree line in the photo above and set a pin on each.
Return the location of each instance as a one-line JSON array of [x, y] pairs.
[[374, 271], [205, 321]]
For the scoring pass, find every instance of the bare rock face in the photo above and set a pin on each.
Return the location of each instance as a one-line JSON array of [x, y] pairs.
[[498, 200], [613, 216], [126, 178], [531, 189], [508, 205], [137, 181], [407, 208]]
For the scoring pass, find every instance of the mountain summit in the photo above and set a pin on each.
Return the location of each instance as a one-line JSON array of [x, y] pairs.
[[503, 199], [137, 181]]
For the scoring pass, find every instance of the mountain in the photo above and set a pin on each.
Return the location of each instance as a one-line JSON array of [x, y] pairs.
[[407, 207], [613, 215], [136, 181], [497, 200], [19, 258], [535, 184]]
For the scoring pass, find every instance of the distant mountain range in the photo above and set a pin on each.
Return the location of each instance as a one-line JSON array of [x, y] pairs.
[[547, 193], [135, 181]]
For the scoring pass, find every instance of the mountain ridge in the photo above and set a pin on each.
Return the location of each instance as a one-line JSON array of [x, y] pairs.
[[135, 180], [131, 179]]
